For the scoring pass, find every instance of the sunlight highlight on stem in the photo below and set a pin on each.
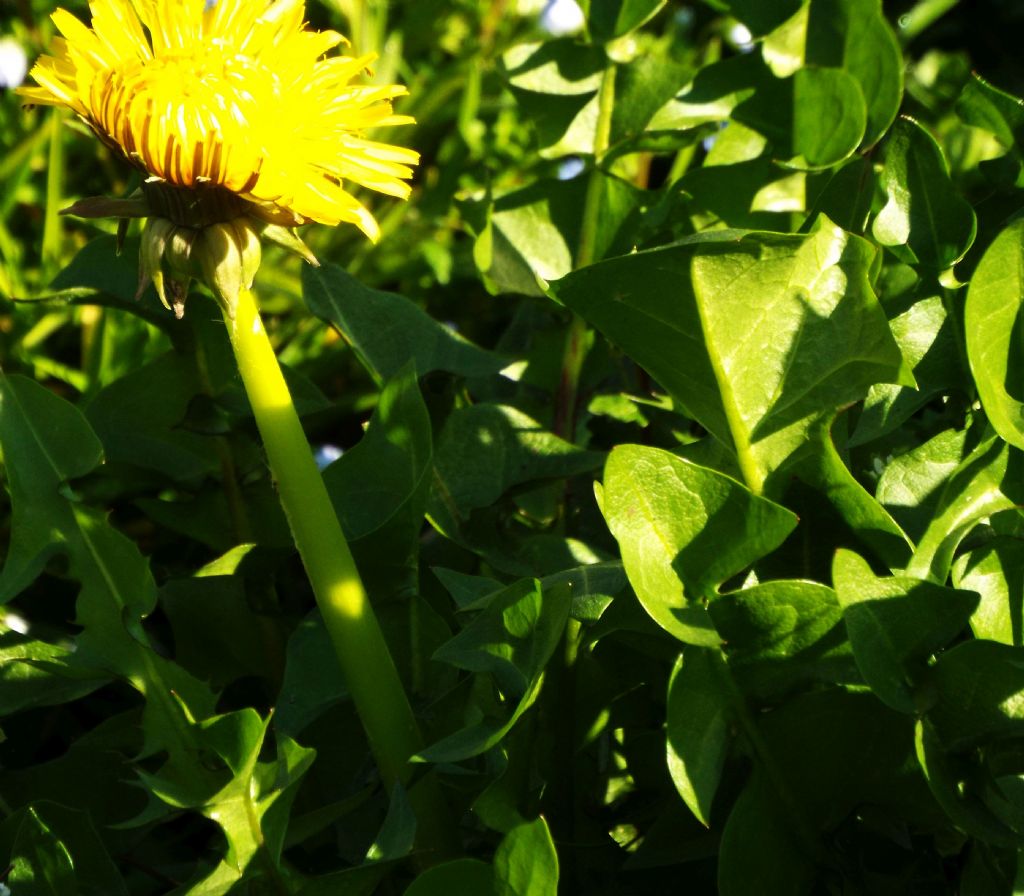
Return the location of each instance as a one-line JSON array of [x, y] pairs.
[[350, 620], [365, 660]]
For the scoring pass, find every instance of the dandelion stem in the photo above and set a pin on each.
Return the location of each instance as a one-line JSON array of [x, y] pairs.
[[365, 660]]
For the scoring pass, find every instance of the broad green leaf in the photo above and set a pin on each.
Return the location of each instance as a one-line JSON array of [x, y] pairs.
[[312, 678], [67, 832], [713, 93], [780, 633], [911, 485], [531, 234], [555, 84], [698, 718], [947, 776], [486, 449], [219, 882], [40, 864], [397, 834], [760, 374], [562, 67], [989, 479], [758, 16], [831, 753], [995, 300], [996, 571], [924, 211], [978, 687], [895, 625], [465, 589], [100, 275], [251, 802], [813, 119], [684, 530], [821, 468], [139, 418], [985, 106], [609, 19], [458, 876], [594, 587], [642, 87], [205, 516], [95, 775], [756, 193], [525, 863], [393, 842], [511, 640], [843, 194], [379, 487], [852, 35], [46, 441], [758, 853], [387, 330], [201, 609], [924, 334], [774, 620], [34, 673]]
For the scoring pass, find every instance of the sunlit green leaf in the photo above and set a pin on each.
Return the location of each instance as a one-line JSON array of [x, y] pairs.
[[924, 211], [757, 374], [525, 863], [511, 640], [992, 325], [387, 330], [40, 864], [460, 875], [671, 519], [996, 571], [895, 625], [698, 716], [46, 441], [988, 480]]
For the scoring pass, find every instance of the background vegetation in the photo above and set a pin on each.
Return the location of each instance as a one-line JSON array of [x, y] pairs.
[[676, 424]]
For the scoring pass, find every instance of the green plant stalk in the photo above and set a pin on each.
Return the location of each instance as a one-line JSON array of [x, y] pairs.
[[561, 701], [366, 662], [576, 340], [54, 190]]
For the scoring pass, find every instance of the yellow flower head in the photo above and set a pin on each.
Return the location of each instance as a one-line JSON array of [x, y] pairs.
[[230, 94]]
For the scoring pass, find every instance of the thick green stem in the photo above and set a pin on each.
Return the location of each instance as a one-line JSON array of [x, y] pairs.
[[369, 670]]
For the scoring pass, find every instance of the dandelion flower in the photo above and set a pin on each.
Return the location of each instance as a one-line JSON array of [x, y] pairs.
[[230, 100]]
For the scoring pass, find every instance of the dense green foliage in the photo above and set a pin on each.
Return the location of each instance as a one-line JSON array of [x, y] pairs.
[[681, 414]]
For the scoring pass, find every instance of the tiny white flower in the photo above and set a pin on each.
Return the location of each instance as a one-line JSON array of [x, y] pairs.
[[325, 455], [13, 67], [561, 17], [16, 623], [741, 37], [570, 168]]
